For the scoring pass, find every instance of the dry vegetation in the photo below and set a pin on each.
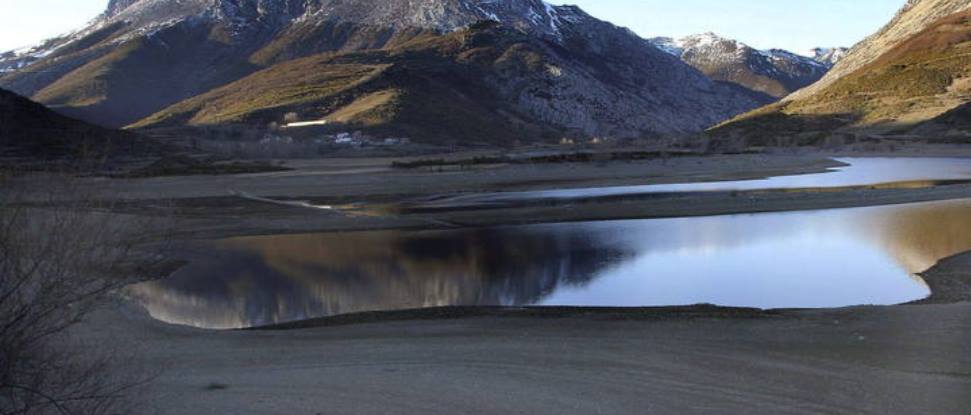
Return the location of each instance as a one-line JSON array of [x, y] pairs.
[[58, 261], [430, 88], [916, 83], [284, 88]]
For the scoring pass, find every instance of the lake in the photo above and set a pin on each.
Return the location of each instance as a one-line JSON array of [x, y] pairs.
[[856, 172], [809, 259]]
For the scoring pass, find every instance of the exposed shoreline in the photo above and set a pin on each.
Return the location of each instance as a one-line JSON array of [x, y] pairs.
[[670, 360], [359, 199], [846, 361]]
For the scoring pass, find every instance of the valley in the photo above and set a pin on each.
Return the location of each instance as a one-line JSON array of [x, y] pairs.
[[485, 206]]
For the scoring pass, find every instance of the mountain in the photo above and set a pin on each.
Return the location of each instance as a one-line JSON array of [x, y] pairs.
[[951, 125], [912, 18], [30, 131], [548, 70], [911, 78], [828, 56], [774, 72], [483, 84]]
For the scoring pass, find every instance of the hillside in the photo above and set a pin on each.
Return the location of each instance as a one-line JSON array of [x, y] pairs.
[[918, 85], [30, 131], [143, 56], [484, 84], [775, 72], [912, 18]]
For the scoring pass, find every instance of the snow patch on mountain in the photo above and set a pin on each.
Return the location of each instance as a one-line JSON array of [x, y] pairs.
[[21, 58], [720, 48], [668, 45], [146, 17], [828, 56], [776, 72]]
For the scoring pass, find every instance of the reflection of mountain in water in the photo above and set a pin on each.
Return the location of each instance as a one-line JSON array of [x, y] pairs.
[[918, 236], [254, 281]]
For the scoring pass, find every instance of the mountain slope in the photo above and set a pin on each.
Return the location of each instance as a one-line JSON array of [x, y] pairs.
[[952, 125], [483, 84], [911, 19], [143, 56], [774, 72], [914, 82], [30, 131]]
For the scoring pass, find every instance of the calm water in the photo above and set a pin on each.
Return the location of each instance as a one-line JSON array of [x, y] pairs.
[[800, 259], [858, 172]]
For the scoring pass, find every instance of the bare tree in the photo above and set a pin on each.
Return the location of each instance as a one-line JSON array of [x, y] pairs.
[[60, 256]]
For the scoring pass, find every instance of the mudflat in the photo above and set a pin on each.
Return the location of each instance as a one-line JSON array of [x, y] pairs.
[[897, 359], [881, 360], [368, 194]]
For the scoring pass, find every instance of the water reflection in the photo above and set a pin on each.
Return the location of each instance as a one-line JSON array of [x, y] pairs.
[[801, 259], [252, 281], [857, 172], [920, 235]]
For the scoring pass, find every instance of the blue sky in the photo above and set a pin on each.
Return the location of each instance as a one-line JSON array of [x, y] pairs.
[[796, 25]]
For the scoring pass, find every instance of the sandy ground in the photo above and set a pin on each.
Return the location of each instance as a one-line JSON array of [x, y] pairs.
[[910, 359]]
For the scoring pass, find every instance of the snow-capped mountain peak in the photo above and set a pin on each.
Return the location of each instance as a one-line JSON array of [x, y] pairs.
[[535, 16], [669, 45], [185, 51], [776, 72], [829, 56], [707, 43], [705, 40], [244, 17]]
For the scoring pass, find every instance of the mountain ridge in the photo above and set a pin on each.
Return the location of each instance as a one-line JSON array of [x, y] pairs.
[[910, 19], [775, 72], [914, 86]]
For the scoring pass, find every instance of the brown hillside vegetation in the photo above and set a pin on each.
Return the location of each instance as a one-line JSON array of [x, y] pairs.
[[139, 76], [913, 17], [922, 78]]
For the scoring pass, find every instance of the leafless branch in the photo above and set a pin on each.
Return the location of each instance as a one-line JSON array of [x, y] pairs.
[[60, 254]]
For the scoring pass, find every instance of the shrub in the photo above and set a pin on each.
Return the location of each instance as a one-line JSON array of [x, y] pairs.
[[59, 256]]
